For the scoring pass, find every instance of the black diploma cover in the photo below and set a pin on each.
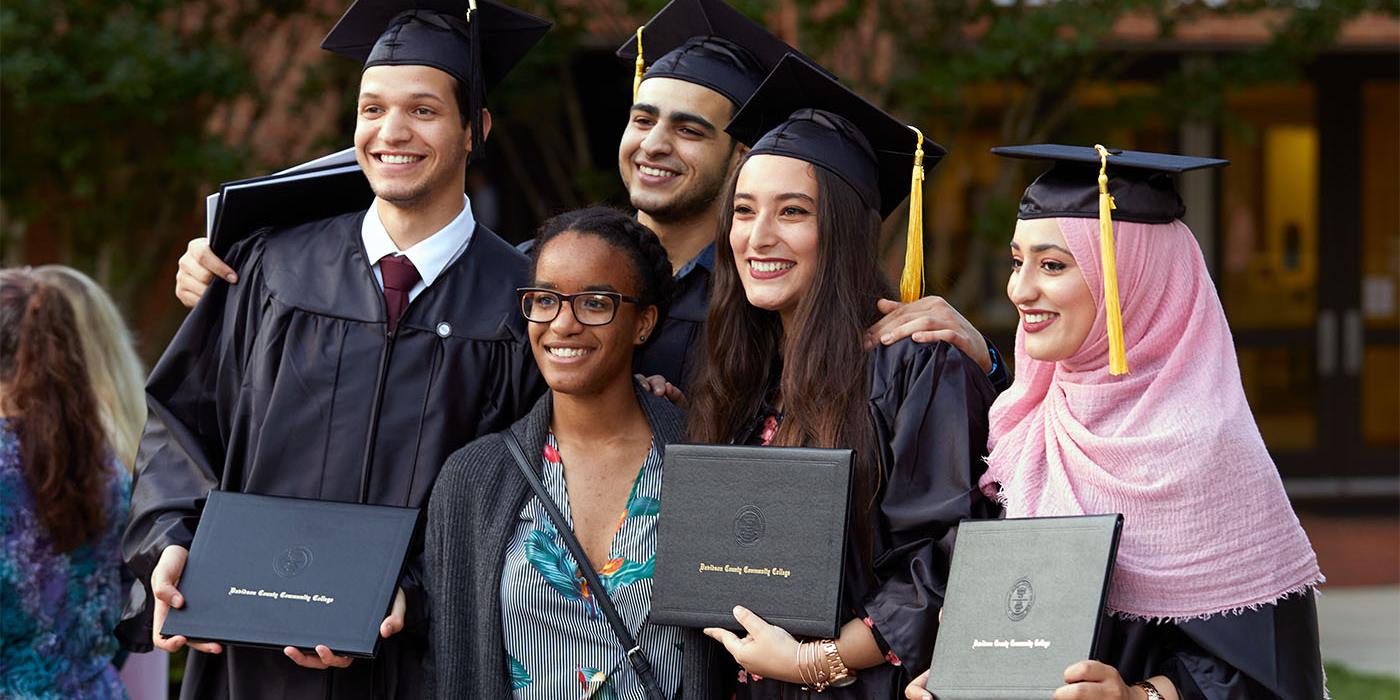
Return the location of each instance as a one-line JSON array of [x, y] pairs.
[[274, 572], [762, 527], [326, 187], [1025, 598]]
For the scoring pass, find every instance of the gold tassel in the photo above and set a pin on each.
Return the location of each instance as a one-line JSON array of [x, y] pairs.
[[911, 282], [641, 66], [1117, 353]]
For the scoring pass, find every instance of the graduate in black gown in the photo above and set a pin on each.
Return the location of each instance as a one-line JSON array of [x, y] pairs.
[[1128, 400], [699, 61], [354, 354], [796, 277]]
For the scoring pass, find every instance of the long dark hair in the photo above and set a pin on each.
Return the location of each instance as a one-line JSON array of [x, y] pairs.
[[54, 410], [821, 369]]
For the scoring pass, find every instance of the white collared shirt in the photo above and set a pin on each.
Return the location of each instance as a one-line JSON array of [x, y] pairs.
[[430, 256]]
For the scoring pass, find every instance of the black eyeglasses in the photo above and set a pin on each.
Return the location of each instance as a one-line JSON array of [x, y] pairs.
[[590, 308]]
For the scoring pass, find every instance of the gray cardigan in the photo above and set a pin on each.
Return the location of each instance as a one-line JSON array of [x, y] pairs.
[[471, 516]]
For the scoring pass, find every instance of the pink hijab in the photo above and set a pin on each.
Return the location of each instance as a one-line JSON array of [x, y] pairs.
[[1172, 445]]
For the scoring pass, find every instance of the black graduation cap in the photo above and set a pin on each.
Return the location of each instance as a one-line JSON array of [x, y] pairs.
[[708, 43], [801, 111], [1106, 184], [475, 41], [1140, 182]]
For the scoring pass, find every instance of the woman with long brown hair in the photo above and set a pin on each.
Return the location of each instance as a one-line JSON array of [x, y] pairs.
[[63, 501], [797, 279], [118, 382], [117, 377]]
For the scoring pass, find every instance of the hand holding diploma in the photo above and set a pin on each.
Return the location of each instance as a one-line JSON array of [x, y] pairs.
[[197, 269], [324, 658], [1094, 680], [768, 650], [1086, 680], [164, 581]]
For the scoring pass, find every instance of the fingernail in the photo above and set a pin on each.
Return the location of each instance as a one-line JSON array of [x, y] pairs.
[[232, 279], [887, 338], [177, 600]]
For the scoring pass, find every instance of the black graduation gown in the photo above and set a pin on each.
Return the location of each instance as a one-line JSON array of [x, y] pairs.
[[928, 405], [1271, 652], [676, 345], [269, 388]]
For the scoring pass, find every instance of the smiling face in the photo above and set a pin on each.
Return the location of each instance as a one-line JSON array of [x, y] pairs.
[[409, 137], [576, 359], [674, 156], [1048, 288], [774, 231]]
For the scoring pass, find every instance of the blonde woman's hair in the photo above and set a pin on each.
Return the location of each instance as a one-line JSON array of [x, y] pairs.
[[115, 372]]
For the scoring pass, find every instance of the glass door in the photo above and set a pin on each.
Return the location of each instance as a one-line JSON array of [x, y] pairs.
[[1309, 268]]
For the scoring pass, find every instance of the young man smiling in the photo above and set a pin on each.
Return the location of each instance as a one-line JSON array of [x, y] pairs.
[[354, 354], [675, 159]]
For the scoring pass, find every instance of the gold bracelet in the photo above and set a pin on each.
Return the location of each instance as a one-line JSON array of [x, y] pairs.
[[803, 665], [1152, 692], [797, 661], [837, 673]]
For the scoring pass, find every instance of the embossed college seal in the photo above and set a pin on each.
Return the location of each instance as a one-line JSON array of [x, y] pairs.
[[1019, 600], [292, 561], [748, 526]]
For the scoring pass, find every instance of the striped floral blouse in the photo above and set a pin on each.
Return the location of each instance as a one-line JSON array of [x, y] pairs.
[[558, 641]]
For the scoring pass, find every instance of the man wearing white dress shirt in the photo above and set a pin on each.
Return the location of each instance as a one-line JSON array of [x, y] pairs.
[[354, 354]]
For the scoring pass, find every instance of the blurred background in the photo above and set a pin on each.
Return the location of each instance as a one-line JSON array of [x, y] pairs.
[[117, 118]]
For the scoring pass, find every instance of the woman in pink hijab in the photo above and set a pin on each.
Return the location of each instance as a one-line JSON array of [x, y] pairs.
[[1212, 594]]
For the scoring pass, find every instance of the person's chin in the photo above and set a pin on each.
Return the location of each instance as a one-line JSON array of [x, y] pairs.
[[572, 383], [652, 202], [1045, 352], [765, 302], [396, 193]]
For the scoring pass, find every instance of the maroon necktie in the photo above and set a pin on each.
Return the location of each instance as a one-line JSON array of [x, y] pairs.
[[399, 276]]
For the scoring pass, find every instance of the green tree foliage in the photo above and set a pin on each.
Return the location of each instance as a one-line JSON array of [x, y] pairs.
[[104, 108], [105, 112], [108, 110]]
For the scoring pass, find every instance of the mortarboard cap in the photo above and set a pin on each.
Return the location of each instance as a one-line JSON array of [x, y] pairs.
[[1104, 184], [475, 41], [800, 111], [708, 43], [1140, 182]]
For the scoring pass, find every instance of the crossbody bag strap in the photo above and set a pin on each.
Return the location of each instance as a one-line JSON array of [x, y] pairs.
[[635, 656]]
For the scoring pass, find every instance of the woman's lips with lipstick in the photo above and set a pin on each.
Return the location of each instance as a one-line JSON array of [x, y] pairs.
[[1035, 321], [769, 268]]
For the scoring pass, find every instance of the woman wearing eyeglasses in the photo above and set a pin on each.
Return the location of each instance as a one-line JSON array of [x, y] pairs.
[[512, 611]]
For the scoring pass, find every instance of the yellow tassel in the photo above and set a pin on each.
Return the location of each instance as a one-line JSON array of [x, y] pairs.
[[1117, 353], [911, 282], [641, 66]]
